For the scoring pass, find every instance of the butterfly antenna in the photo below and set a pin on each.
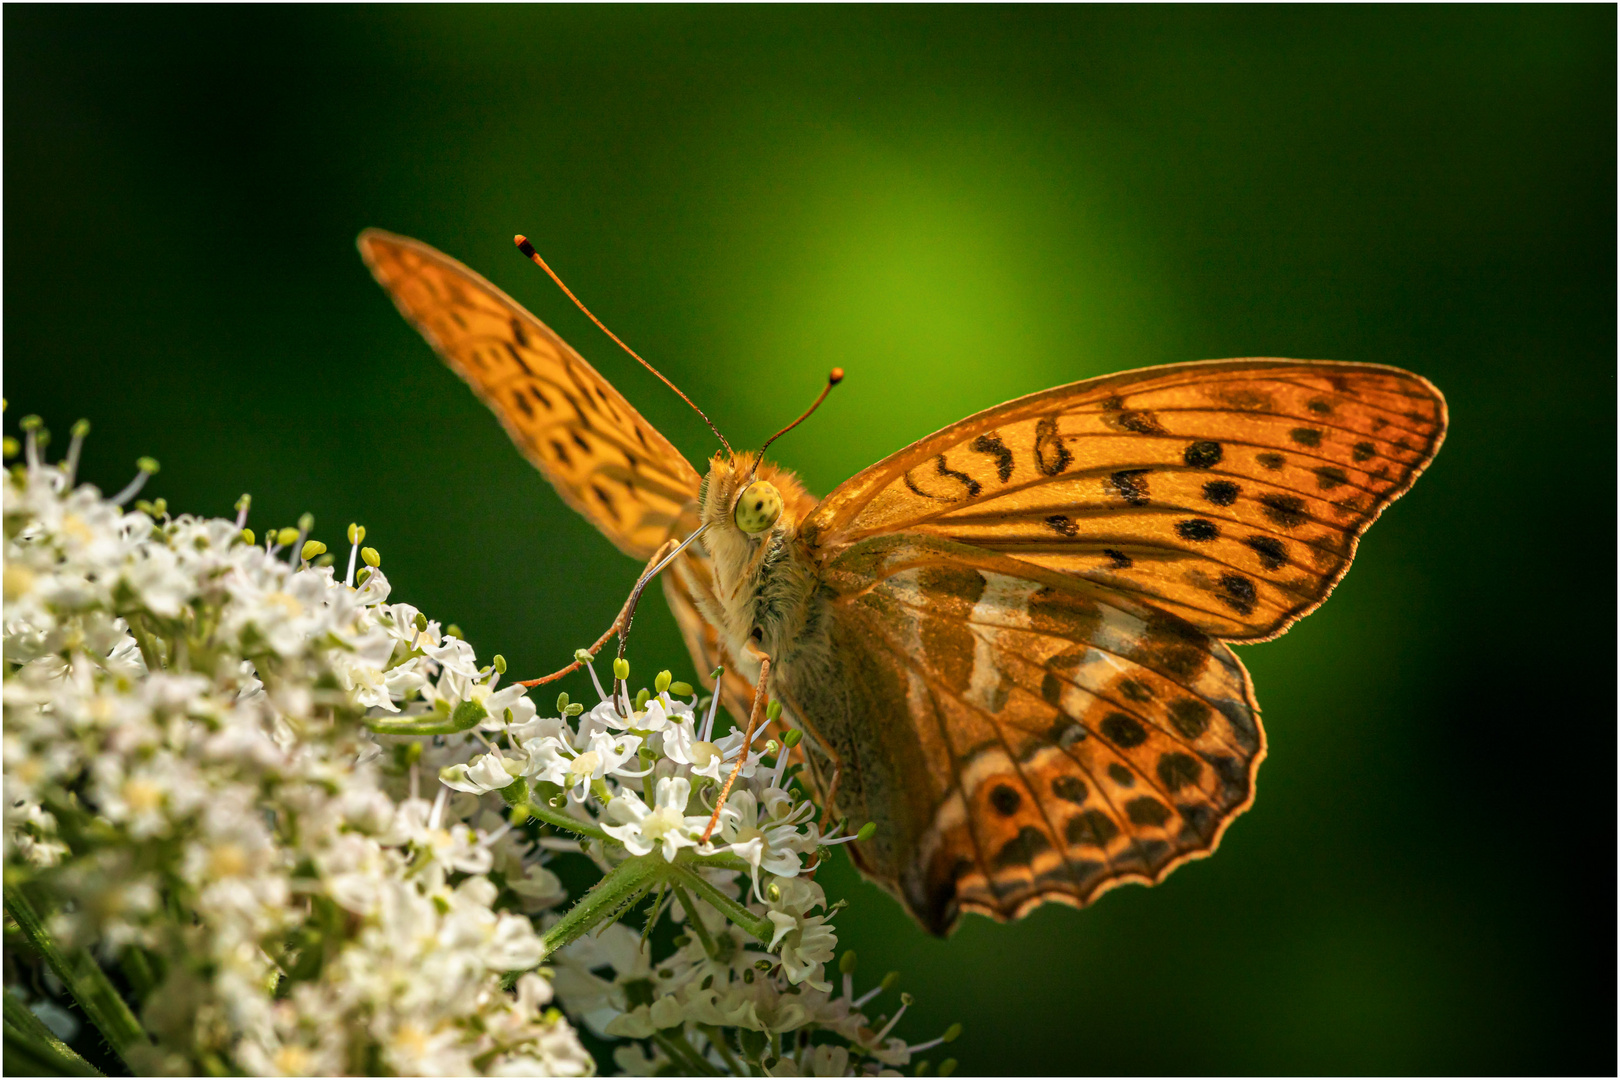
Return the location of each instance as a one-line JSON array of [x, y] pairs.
[[533, 256], [834, 377]]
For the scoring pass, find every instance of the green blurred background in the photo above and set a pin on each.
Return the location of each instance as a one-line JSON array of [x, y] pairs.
[[985, 202]]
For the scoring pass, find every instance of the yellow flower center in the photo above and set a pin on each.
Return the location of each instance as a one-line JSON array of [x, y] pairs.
[[584, 766], [142, 796]]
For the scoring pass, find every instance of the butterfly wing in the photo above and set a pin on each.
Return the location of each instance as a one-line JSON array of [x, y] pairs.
[[1229, 492], [601, 456], [1018, 734]]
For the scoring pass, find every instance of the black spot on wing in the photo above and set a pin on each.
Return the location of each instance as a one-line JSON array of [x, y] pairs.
[[991, 444], [1062, 525], [1120, 560], [1190, 716], [1306, 436], [1122, 730], [1070, 789], [967, 481], [1130, 485], [1122, 776], [1198, 530], [1022, 849], [1238, 593], [1178, 770], [1092, 828], [1144, 810], [1285, 510], [1006, 800], [1202, 455], [1362, 451], [1051, 456], [1329, 477], [1221, 492], [1271, 461], [1273, 553]]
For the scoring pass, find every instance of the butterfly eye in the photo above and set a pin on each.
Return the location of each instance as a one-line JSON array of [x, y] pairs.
[[759, 507]]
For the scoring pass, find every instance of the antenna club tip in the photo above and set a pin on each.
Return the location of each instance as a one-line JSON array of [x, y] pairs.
[[835, 376], [523, 245]]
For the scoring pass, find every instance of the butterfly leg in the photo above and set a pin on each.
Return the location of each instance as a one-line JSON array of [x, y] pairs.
[[754, 716]]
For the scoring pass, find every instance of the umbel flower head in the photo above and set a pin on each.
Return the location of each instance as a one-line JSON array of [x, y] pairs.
[[311, 833]]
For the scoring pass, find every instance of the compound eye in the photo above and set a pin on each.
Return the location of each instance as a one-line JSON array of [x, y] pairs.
[[759, 507]]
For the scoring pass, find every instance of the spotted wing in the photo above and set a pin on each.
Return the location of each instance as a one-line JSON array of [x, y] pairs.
[[601, 456], [1018, 734], [1229, 492]]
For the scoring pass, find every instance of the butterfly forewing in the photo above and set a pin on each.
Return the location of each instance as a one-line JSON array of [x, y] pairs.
[[1230, 493], [1060, 738], [601, 456]]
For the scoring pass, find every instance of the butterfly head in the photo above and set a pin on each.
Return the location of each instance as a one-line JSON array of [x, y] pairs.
[[747, 498]]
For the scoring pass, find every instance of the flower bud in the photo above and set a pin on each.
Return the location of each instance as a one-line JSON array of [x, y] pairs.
[[30, 423], [773, 711], [146, 465], [421, 622], [680, 689], [454, 631], [286, 536], [243, 503], [906, 999], [582, 656], [661, 682], [312, 548], [306, 521], [952, 1033], [562, 703], [500, 664], [80, 428], [947, 1066], [867, 831], [891, 980], [370, 556], [846, 963], [791, 739], [621, 669], [248, 538], [642, 698], [357, 533]]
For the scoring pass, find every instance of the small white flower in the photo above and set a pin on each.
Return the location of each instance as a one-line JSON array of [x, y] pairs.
[[664, 825]]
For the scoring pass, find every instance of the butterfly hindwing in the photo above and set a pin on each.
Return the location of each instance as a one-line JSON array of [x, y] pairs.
[[1229, 492], [1020, 735], [601, 456]]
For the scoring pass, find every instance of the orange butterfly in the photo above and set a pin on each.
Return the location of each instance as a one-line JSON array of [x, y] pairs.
[[1005, 642]]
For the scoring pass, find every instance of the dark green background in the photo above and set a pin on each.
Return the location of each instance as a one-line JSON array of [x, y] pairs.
[[957, 205]]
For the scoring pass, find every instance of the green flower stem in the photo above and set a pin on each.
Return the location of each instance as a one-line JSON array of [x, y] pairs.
[[722, 862], [563, 821], [717, 1039], [757, 925], [675, 1045], [465, 717], [696, 923], [84, 978], [606, 900], [38, 1047], [143, 639]]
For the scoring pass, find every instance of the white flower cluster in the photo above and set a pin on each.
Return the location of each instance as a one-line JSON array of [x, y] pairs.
[[187, 785], [313, 835]]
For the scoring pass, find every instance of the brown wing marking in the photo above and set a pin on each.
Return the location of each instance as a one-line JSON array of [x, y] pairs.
[[1068, 739], [1231, 492], [603, 458]]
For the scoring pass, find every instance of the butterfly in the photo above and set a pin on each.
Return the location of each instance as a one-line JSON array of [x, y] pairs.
[[1007, 642]]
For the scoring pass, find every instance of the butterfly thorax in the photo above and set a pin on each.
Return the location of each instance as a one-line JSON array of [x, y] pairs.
[[764, 586]]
